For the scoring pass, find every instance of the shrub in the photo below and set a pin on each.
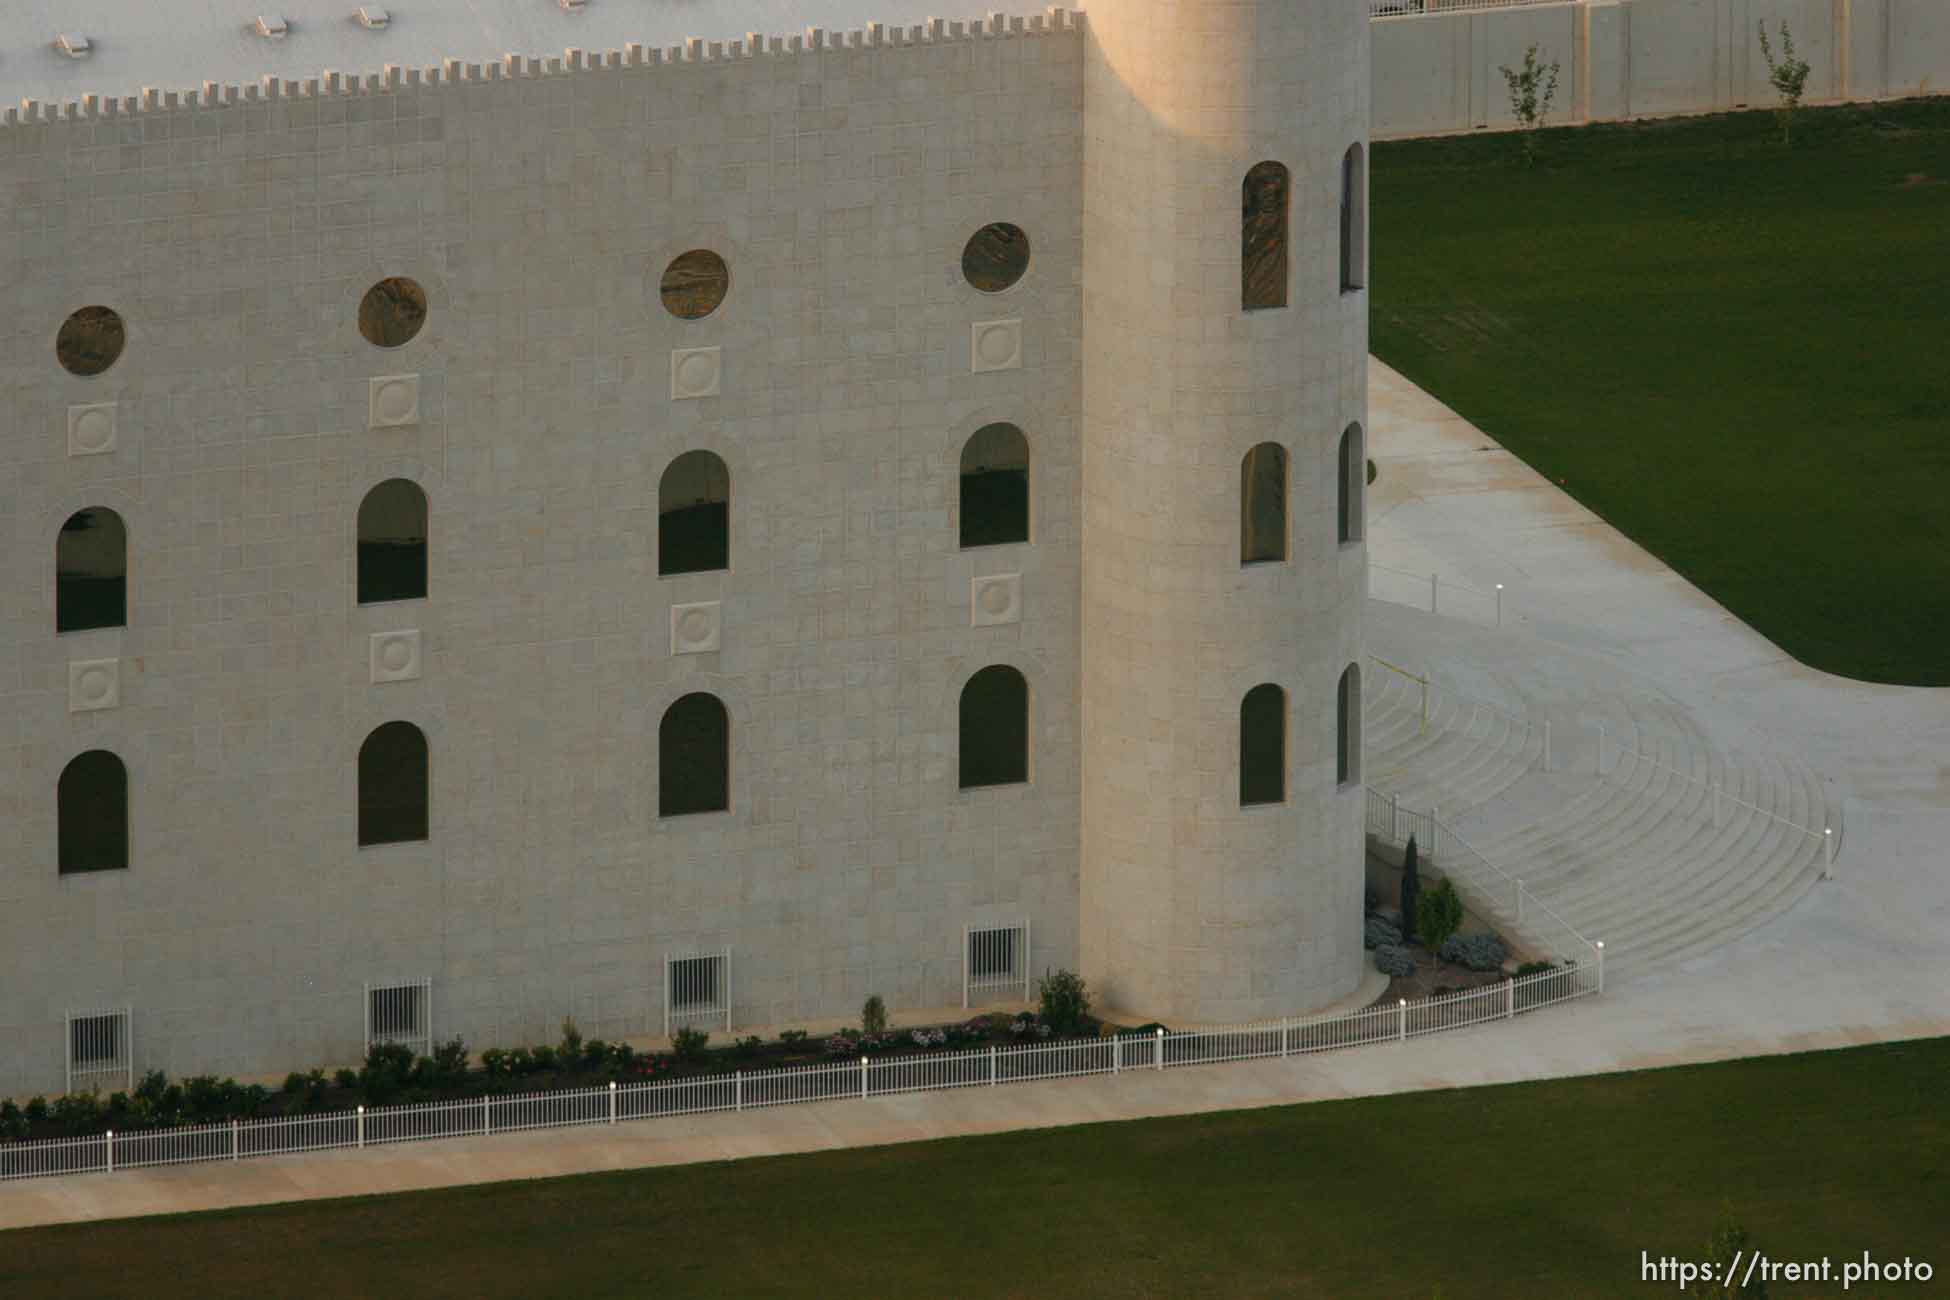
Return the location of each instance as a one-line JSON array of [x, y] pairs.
[[520, 1061], [687, 1044], [1392, 959], [76, 1113], [1532, 88], [1437, 915], [294, 1082], [541, 1058], [595, 1054], [494, 1063], [1789, 77], [873, 1016], [925, 1038], [154, 1084], [36, 1110], [1411, 889], [346, 1079], [792, 1037], [1380, 931], [13, 1126], [1065, 1001], [388, 1068], [450, 1061], [1474, 951], [749, 1046], [569, 1050]]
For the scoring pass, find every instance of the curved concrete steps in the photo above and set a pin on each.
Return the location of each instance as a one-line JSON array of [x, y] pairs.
[[1638, 857]]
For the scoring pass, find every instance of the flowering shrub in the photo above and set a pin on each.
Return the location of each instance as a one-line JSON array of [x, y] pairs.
[[929, 1037]]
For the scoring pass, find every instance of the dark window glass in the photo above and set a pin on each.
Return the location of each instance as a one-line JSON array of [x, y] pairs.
[[1262, 745], [393, 785], [89, 341], [995, 487], [392, 312], [694, 757], [995, 256], [694, 284], [1263, 238], [694, 515], [91, 572], [995, 728], [1262, 504], [93, 800], [393, 543]]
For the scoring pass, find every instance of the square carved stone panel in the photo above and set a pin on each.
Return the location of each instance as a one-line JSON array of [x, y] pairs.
[[395, 656], [696, 372], [995, 345], [995, 599], [394, 401], [696, 629], [94, 684], [91, 429]]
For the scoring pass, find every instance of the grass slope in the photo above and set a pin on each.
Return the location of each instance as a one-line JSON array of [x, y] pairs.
[[1736, 353], [1544, 1189]]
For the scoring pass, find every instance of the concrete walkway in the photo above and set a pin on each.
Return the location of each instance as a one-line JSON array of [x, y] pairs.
[[1861, 958]]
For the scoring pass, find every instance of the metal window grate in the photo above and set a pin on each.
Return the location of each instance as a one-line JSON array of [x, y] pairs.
[[995, 964], [697, 992], [400, 1013], [100, 1050]]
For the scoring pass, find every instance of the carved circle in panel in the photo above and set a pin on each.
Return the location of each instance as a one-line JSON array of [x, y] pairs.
[[695, 372], [395, 401], [995, 256], [694, 284], [696, 628], [392, 312], [997, 598], [93, 684], [395, 656], [90, 340], [91, 429], [998, 345]]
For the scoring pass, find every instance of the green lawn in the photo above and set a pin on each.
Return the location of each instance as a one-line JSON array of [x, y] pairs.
[[1737, 353], [1548, 1190]]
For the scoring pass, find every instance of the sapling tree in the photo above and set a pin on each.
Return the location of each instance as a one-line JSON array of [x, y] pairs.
[[1438, 914], [1533, 87], [1788, 75]]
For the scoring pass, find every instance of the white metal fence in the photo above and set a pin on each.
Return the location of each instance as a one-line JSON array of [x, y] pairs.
[[1612, 762], [751, 1090], [1486, 888], [1429, 591]]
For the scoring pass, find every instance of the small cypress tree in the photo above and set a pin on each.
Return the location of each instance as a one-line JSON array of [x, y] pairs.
[[1438, 914], [1411, 890]]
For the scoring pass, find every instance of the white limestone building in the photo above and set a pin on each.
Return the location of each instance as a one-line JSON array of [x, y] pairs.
[[697, 528]]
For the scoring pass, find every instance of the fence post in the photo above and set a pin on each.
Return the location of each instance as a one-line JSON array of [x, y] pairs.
[[1395, 817], [1828, 850], [1401, 1021], [1160, 1040], [362, 1127], [991, 1066], [110, 1140], [1116, 1054], [863, 1078], [737, 1090], [1499, 623], [612, 1101], [1509, 999], [1435, 830], [233, 1139], [487, 1116], [1431, 593], [1547, 744], [1283, 1021], [1601, 748], [1600, 946]]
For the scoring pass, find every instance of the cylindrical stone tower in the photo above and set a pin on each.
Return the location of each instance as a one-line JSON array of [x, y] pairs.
[[1196, 904]]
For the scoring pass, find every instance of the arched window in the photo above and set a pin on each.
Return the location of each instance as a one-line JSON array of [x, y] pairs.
[[694, 757], [393, 776], [1354, 219], [1263, 242], [1262, 745], [1354, 485], [93, 813], [995, 486], [1347, 727], [694, 515], [91, 568], [1262, 504], [995, 728], [393, 543]]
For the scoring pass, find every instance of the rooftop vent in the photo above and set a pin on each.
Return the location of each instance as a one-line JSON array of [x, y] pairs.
[[372, 16], [74, 45], [271, 25]]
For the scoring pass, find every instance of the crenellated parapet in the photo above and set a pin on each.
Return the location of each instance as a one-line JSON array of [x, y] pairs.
[[394, 77]]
